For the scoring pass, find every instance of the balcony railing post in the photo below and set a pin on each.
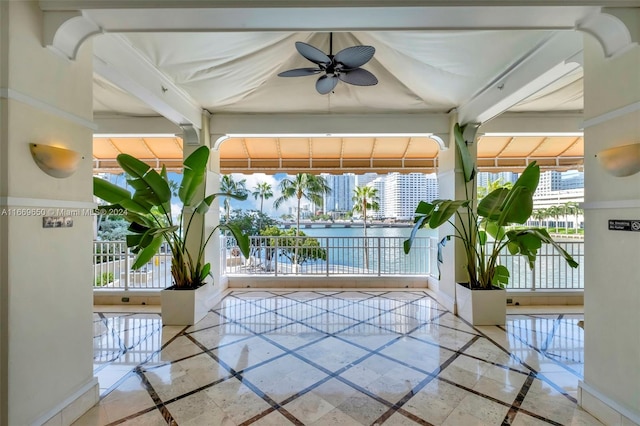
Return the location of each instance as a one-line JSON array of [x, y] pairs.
[[127, 268], [275, 256], [379, 256], [533, 278], [327, 256]]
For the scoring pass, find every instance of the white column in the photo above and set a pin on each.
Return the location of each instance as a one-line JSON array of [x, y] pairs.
[[46, 324], [611, 388], [451, 185], [213, 253]]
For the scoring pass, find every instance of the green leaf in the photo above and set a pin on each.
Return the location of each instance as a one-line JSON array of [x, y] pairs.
[[203, 206], [482, 237], [151, 188], [532, 238], [491, 205], [419, 224], [501, 276], [109, 192], [496, 231], [529, 178], [468, 166], [206, 269], [517, 207], [195, 169], [115, 194], [241, 238], [145, 255], [445, 209]]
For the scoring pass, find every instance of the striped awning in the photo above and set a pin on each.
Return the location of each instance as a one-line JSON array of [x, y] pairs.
[[272, 155]]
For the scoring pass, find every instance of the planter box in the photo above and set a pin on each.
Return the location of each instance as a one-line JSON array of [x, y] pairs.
[[481, 307], [186, 307]]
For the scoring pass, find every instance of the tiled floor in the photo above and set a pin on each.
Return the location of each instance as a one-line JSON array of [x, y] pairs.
[[337, 358]]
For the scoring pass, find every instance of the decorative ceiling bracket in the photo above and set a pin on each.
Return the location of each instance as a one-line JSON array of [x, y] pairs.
[[611, 28], [65, 31], [190, 134]]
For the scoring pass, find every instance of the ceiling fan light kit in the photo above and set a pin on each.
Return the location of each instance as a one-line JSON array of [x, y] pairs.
[[344, 66]]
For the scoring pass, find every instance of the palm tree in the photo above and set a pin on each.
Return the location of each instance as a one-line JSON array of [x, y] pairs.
[[262, 191], [365, 198], [538, 216], [574, 209], [228, 184], [302, 185], [555, 211]]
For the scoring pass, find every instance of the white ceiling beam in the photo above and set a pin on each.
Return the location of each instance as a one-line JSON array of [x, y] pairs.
[[556, 57], [329, 124], [534, 123], [118, 62], [147, 16], [118, 124]]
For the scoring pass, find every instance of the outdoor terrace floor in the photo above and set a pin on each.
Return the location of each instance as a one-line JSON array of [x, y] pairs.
[[338, 358]]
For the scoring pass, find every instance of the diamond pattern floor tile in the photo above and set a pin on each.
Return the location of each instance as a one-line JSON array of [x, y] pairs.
[[336, 358]]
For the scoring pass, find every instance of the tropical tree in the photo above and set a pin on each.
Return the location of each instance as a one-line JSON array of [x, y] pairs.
[[555, 212], [264, 192], [539, 216], [365, 198], [574, 209], [229, 185], [571, 207], [302, 185]]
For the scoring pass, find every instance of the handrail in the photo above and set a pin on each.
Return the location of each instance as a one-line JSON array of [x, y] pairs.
[[329, 257]]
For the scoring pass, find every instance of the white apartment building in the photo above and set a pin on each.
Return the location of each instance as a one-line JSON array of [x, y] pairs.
[[379, 184], [403, 192]]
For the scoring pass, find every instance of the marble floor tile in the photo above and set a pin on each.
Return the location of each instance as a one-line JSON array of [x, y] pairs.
[[330, 357]]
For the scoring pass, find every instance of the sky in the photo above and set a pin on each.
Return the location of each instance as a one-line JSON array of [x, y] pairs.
[[249, 204]]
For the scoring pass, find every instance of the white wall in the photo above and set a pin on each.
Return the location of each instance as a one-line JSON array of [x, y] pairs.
[[612, 282], [46, 341]]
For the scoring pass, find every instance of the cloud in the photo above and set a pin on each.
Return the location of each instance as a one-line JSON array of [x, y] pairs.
[[250, 203]]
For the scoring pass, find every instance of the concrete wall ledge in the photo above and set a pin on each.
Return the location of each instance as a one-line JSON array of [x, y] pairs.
[[346, 281]]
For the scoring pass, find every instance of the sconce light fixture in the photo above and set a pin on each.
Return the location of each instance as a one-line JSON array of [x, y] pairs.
[[55, 161], [621, 161]]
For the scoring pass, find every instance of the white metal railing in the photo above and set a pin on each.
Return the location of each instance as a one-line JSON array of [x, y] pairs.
[[112, 262], [328, 256], [375, 256], [550, 272]]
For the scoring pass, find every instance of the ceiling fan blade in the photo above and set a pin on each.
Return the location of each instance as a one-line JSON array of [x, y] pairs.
[[313, 54], [355, 56], [300, 72], [326, 83], [358, 77]]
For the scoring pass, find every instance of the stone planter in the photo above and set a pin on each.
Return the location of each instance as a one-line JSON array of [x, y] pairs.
[[186, 307], [481, 307]]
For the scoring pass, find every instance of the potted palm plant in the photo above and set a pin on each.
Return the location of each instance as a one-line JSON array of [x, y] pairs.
[[485, 229], [148, 211]]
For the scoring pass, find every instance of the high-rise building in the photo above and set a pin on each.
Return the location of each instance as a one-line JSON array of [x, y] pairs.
[[403, 192], [485, 178], [364, 179], [378, 183], [340, 198]]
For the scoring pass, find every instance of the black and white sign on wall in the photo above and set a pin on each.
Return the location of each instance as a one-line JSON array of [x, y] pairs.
[[624, 225]]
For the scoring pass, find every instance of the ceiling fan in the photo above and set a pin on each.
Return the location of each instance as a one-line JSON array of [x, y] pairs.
[[344, 66]]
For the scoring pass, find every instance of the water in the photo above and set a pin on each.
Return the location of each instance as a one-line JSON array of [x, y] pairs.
[[371, 232], [382, 253]]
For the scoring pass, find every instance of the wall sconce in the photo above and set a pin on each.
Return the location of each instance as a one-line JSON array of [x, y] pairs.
[[55, 161], [621, 161]]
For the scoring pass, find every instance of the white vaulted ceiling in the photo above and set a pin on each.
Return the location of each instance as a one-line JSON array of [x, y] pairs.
[[418, 71], [478, 58]]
